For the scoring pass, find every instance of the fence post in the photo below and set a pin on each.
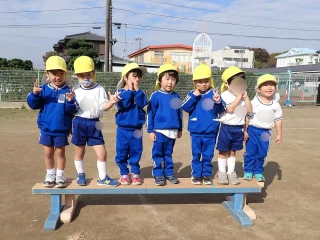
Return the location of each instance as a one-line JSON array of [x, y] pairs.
[[303, 90], [288, 101]]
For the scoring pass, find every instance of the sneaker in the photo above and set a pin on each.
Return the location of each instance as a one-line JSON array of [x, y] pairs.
[[50, 180], [159, 180], [247, 176], [196, 180], [207, 180], [81, 180], [125, 180], [259, 177], [173, 179], [233, 178], [107, 181], [135, 178], [61, 182], [223, 178]]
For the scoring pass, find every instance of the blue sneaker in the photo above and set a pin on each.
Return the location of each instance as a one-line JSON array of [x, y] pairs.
[[173, 179], [107, 181], [81, 180], [159, 180], [247, 176], [259, 177]]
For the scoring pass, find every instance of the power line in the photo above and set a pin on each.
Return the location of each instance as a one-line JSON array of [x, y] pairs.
[[219, 22], [152, 28], [53, 10], [233, 15]]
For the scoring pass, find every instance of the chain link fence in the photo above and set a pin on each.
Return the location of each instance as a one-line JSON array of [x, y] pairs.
[[15, 85]]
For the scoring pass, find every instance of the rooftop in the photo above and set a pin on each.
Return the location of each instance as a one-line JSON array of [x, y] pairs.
[[160, 47], [297, 52]]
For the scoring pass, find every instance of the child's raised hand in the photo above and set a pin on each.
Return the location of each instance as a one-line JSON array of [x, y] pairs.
[[136, 85], [196, 92], [70, 95], [152, 137], [36, 90], [113, 98], [216, 96], [244, 95]]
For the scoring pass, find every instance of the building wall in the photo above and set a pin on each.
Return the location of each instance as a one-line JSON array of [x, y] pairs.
[[233, 57], [297, 60]]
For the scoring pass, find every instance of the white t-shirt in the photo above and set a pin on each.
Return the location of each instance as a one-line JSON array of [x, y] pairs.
[[237, 118], [91, 101], [263, 115], [170, 133]]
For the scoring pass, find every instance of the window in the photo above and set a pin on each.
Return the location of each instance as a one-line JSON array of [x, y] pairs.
[[212, 61], [180, 57], [240, 51]]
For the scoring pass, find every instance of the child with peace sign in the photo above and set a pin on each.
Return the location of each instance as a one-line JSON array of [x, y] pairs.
[[57, 105], [204, 105]]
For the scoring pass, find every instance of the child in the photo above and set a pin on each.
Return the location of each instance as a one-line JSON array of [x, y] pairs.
[[266, 113], [230, 138], [164, 123], [203, 105], [86, 125], [130, 118], [54, 119]]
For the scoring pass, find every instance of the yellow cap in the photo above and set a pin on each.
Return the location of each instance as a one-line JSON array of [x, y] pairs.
[[164, 68], [227, 74], [56, 62], [130, 66], [266, 78], [83, 64], [203, 71]]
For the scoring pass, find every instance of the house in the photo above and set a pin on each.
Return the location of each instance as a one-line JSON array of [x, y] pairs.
[[178, 54], [239, 56], [97, 40], [297, 56]]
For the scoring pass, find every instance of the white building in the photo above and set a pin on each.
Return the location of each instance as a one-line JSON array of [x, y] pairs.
[[297, 56], [233, 56]]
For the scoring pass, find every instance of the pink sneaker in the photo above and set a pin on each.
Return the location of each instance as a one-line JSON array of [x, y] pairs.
[[136, 179], [125, 180]]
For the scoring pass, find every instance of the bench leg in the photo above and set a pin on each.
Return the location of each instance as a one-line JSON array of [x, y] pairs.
[[69, 208], [248, 210], [53, 218], [235, 207]]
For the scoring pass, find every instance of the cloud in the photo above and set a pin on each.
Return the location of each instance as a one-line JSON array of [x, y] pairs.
[[32, 43]]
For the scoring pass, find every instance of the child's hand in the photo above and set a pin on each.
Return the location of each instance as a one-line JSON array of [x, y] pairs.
[[70, 95], [244, 95], [179, 134], [113, 98], [152, 137], [136, 85], [216, 96], [196, 92], [246, 136], [130, 85], [36, 90], [278, 139]]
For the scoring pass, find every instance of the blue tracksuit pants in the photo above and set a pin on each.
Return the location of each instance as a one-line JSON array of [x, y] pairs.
[[162, 152], [257, 148], [128, 150], [202, 154]]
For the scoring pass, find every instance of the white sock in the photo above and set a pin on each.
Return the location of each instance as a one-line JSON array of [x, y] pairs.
[[60, 172], [135, 175], [222, 163], [231, 164], [79, 166], [102, 169], [51, 171]]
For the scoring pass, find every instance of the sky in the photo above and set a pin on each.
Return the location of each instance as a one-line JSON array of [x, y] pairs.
[[213, 17]]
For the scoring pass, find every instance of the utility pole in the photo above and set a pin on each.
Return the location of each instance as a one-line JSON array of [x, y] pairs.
[[110, 38], [139, 40], [107, 38]]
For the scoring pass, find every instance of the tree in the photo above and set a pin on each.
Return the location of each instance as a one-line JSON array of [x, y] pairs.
[[15, 64], [261, 57], [49, 54], [77, 48]]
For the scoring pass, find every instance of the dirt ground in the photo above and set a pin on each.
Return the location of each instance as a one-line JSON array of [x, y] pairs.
[[288, 208]]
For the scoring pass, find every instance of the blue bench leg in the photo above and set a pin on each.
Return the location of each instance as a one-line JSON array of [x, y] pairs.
[[235, 207], [53, 218]]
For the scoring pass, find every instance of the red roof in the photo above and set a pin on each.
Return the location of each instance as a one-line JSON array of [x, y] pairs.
[[159, 47]]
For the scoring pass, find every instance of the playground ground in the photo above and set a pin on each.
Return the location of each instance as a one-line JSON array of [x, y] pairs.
[[288, 208]]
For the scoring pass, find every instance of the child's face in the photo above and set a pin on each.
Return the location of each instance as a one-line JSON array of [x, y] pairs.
[[202, 85], [267, 89], [57, 77], [168, 83], [238, 86], [132, 78], [86, 79]]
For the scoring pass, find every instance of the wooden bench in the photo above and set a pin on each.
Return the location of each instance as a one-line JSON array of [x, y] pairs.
[[235, 204]]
